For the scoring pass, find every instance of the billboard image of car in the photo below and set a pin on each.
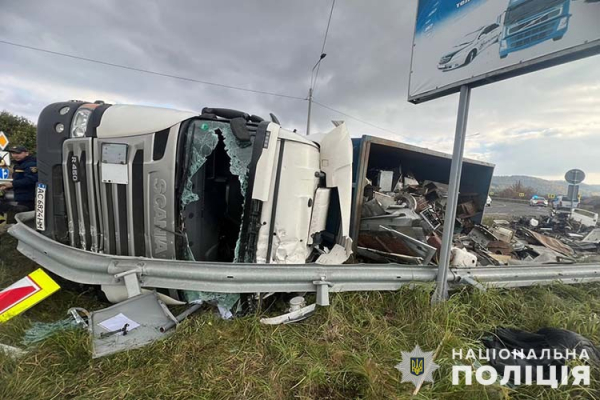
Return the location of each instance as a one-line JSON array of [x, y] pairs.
[[475, 42], [471, 44]]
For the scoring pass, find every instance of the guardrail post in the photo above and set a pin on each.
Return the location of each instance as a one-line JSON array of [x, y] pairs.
[[322, 291]]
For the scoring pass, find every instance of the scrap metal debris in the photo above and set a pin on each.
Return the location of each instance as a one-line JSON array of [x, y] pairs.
[[405, 226]]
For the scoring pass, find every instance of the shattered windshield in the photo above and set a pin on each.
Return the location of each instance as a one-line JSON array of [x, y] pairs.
[[215, 183], [528, 9], [200, 144], [202, 139]]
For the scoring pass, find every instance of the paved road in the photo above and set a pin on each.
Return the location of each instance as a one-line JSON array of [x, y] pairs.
[[514, 209]]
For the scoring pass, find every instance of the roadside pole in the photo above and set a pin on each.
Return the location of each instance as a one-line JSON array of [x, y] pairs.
[[310, 91], [441, 291]]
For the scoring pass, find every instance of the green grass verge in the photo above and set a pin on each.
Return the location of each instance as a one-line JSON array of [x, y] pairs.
[[347, 350]]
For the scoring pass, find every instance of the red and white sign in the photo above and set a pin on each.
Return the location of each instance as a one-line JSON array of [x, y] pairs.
[[25, 293], [17, 292]]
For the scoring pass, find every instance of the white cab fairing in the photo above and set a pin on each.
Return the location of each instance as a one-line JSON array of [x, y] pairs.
[[122, 120], [299, 211], [293, 202], [336, 163]]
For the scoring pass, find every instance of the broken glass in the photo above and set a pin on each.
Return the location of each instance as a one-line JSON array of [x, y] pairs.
[[202, 143], [204, 136], [42, 330]]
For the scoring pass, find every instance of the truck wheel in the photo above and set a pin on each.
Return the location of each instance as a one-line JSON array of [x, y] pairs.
[[556, 39]]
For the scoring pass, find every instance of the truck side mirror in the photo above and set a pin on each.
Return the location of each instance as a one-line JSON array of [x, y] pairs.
[[240, 131]]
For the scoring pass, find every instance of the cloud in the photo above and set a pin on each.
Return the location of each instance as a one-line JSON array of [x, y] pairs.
[[539, 124]]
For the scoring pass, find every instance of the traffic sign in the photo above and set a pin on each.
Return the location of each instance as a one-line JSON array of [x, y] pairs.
[[521, 194], [575, 176], [4, 173], [3, 141], [25, 293], [4, 159]]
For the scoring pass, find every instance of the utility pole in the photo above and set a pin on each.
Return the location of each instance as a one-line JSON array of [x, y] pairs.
[[310, 91]]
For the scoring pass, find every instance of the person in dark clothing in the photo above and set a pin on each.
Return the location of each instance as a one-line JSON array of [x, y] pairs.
[[24, 182]]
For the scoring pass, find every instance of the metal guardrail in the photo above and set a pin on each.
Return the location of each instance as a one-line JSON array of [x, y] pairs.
[[100, 269], [508, 200]]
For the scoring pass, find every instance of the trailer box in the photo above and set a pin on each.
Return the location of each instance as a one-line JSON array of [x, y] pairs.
[[372, 154]]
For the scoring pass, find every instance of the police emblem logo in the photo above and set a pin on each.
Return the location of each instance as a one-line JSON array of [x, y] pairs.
[[33, 170], [416, 365]]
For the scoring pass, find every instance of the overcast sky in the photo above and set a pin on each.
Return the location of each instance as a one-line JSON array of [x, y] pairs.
[[540, 124]]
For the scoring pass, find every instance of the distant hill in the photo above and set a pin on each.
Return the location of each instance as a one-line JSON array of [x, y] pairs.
[[542, 186]]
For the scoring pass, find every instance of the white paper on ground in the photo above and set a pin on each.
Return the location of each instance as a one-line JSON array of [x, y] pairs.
[[118, 322]]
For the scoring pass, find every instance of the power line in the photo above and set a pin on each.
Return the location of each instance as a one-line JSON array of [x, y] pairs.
[[356, 118], [324, 42], [196, 80], [145, 71]]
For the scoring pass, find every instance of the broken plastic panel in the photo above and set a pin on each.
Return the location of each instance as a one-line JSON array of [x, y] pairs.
[[146, 315]]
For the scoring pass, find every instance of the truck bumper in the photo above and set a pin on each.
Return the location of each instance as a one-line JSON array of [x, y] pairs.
[[101, 269]]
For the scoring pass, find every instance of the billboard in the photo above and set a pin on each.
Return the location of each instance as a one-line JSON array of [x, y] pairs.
[[475, 42]]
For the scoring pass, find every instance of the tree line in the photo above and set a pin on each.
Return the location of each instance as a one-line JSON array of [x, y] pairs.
[[19, 130]]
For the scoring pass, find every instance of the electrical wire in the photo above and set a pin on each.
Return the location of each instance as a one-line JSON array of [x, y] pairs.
[[323, 47], [146, 71], [201, 81]]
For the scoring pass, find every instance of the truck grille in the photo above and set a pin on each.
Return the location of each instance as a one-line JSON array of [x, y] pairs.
[[117, 218], [533, 35], [84, 222]]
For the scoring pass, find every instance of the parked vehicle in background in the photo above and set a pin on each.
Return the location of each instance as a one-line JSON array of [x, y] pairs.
[[584, 217], [538, 201], [562, 202], [526, 23], [471, 45], [488, 202]]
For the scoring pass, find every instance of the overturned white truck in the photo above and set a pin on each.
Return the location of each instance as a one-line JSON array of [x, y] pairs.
[[133, 197]]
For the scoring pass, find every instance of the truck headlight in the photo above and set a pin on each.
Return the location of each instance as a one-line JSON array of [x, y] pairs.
[[563, 23], [80, 122]]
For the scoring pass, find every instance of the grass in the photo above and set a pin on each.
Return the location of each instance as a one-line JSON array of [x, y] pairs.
[[347, 350]]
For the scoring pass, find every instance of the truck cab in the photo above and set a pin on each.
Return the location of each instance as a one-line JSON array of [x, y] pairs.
[[219, 186], [527, 23]]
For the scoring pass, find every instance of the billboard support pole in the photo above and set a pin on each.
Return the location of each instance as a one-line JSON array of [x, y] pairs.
[[441, 291]]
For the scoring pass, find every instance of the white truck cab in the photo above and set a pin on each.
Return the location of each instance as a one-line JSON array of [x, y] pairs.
[[220, 186]]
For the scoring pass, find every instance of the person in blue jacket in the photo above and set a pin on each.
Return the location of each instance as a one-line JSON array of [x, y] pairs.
[[25, 177]]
